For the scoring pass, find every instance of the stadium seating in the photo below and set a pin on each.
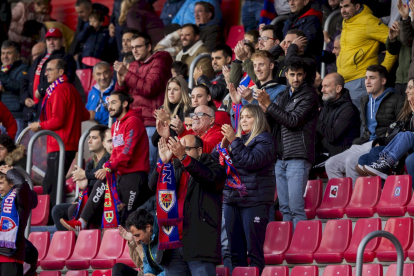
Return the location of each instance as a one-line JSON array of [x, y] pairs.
[[410, 206], [40, 240], [40, 214], [336, 198], [338, 270], [305, 242], [278, 236], [313, 197], [60, 250], [38, 190], [236, 34], [305, 271], [411, 252], [371, 270], [402, 229], [245, 271], [276, 271], [86, 248], [335, 241], [105, 272], [362, 228], [85, 77], [408, 270], [222, 271], [395, 196], [77, 273], [365, 197], [126, 257], [112, 246], [50, 273]]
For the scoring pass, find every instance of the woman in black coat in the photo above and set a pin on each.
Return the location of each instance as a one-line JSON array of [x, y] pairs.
[[246, 206]]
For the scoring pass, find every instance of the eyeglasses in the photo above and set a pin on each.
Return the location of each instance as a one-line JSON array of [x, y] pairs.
[[187, 149], [199, 115], [266, 38]]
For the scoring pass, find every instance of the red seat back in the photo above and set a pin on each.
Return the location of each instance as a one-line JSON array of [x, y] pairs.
[[396, 192], [367, 192], [278, 236], [125, 258], [408, 270], [337, 194], [371, 270], [313, 194], [40, 214], [309, 270], [236, 34], [307, 237], [362, 228], [402, 229], [50, 273], [275, 271], [336, 236], [77, 273], [38, 190], [61, 247], [40, 240], [338, 270], [87, 245], [102, 272], [85, 77], [222, 271], [112, 245], [245, 271]]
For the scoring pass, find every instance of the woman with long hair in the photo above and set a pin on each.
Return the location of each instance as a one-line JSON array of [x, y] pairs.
[[249, 157]]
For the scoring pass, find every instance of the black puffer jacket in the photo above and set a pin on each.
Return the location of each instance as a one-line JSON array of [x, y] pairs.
[[338, 124], [293, 120], [387, 114], [255, 164]]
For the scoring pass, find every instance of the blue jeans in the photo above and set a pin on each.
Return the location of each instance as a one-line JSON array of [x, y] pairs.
[[225, 250], [357, 90], [291, 178], [399, 145], [152, 150], [174, 265], [251, 14], [370, 157], [409, 162]]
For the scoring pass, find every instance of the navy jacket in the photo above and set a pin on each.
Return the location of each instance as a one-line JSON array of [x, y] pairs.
[[98, 44], [255, 164], [170, 9]]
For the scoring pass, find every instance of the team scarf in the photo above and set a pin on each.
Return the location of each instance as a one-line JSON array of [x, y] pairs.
[[233, 180], [268, 13], [83, 198], [49, 92], [5, 68], [9, 220], [38, 71], [167, 208], [247, 82], [110, 218]]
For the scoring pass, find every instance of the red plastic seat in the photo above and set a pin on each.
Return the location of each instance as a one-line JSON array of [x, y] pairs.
[[236, 34], [278, 236], [338, 270], [365, 197], [410, 206], [362, 228], [313, 197], [77, 273], [408, 270], [40, 214], [310, 270], [126, 257], [60, 250], [105, 272], [371, 270], [337, 195], [245, 271], [85, 77], [395, 196], [111, 249], [40, 240], [275, 271], [402, 229], [411, 252], [86, 248], [50, 273], [38, 190], [222, 271], [305, 242], [335, 241]]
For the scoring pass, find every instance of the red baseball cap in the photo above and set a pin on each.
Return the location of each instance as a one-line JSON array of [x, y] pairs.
[[54, 33]]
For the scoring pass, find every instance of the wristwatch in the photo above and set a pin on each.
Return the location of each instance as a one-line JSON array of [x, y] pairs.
[[184, 156], [39, 127]]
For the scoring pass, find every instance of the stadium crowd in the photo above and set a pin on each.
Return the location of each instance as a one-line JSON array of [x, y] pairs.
[[189, 174]]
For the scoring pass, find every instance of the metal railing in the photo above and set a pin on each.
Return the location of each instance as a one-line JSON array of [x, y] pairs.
[[26, 176], [20, 137], [383, 234], [61, 168], [326, 28], [278, 19], [79, 162], [192, 67]]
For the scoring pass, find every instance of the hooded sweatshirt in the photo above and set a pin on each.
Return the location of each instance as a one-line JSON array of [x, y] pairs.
[[131, 146], [371, 112]]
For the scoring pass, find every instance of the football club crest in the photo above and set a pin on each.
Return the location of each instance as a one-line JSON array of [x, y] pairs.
[[166, 199], [333, 192], [109, 216], [167, 229], [397, 191], [7, 224]]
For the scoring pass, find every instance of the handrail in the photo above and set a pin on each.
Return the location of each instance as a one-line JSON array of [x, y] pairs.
[[192, 67], [61, 168], [326, 28], [30, 182], [279, 19], [80, 154], [110, 121], [376, 234], [19, 138]]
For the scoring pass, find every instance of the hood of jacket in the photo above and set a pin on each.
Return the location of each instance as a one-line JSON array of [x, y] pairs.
[[131, 113], [16, 155], [268, 84]]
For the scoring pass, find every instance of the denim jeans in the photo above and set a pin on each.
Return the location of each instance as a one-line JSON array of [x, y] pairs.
[[291, 179], [357, 90], [152, 150], [225, 250], [174, 265], [251, 14], [399, 145], [371, 156]]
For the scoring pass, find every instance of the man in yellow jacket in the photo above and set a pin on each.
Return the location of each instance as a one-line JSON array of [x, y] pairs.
[[361, 36]]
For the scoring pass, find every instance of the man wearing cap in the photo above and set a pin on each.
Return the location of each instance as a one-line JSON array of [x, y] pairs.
[[35, 83]]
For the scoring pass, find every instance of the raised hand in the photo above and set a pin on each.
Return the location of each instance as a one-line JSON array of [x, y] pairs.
[[125, 234], [394, 31], [177, 125], [301, 41], [403, 9], [240, 51], [176, 147], [234, 95], [163, 129], [163, 150], [162, 115], [245, 92], [228, 133], [263, 98], [226, 74]]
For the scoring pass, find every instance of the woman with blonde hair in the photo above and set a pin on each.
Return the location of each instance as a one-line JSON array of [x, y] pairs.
[[249, 157]]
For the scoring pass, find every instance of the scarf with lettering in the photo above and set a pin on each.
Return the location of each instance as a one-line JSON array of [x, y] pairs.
[[36, 80], [247, 82], [167, 208], [83, 198], [110, 217], [9, 220], [49, 92], [233, 180]]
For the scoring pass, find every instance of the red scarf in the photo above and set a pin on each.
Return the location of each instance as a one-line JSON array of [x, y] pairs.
[[37, 76], [49, 92], [110, 217]]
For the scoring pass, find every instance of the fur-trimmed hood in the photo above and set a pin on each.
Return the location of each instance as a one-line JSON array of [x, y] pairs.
[[16, 155]]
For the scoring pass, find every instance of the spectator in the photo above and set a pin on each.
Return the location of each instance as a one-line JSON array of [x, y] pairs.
[[171, 43], [293, 118], [35, 83], [128, 59], [330, 57], [237, 75], [360, 39], [251, 14], [145, 80], [184, 17], [270, 36], [86, 180], [97, 97], [252, 36], [188, 122], [220, 57], [11, 75], [169, 10], [21, 199], [179, 68], [126, 43], [335, 25], [142, 231], [308, 20], [62, 112], [10, 153], [379, 109], [116, 13], [199, 186], [210, 33], [37, 50], [7, 121], [192, 47], [252, 153]]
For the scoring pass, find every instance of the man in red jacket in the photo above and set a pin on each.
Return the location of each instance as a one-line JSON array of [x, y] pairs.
[[63, 113], [145, 81], [7, 121]]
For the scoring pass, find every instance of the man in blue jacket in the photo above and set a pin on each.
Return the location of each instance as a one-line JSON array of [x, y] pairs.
[[185, 17]]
